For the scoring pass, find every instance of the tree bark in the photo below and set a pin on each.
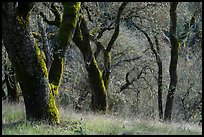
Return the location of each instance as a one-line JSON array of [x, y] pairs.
[[173, 62], [159, 81], [107, 51], [29, 63], [98, 80], [64, 37], [12, 86], [82, 41]]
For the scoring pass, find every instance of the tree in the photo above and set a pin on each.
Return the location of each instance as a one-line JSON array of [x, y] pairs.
[[159, 64], [99, 79], [173, 62], [13, 89], [150, 24], [39, 86], [9, 80]]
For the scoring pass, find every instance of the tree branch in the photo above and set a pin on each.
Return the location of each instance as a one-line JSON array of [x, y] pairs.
[[130, 82], [126, 60], [117, 24]]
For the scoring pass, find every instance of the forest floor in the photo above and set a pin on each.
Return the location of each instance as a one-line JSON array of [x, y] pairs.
[[73, 123]]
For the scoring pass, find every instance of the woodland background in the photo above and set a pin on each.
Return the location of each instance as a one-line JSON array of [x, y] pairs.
[[133, 81]]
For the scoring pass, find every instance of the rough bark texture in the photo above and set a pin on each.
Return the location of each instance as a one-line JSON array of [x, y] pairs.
[[27, 63], [64, 37], [98, 80], [99, 98], [173, 62], [65, 34], [82, 41]]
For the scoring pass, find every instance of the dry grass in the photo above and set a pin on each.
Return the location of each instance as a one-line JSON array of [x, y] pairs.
[[87, 123]]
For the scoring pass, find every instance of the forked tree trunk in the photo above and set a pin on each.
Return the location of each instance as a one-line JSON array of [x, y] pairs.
[[29, 63], [82, 41], [98, 80]]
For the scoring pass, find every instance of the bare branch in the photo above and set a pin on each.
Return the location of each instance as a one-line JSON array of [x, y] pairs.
[[117, 24], [126, 60], [102, 30], [130, 82]]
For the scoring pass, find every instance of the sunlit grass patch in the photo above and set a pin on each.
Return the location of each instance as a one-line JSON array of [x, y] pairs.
[[88, 123]]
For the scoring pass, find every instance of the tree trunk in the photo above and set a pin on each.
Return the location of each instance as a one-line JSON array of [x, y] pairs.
[[107, 68], [160, 107], [12, 86], [173, 62], [98, 80], [64, 38], [82, 41], [159, 64], [29, 65], [159, 81], [99, 98]]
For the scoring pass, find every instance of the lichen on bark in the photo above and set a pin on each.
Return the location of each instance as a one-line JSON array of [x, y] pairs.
[[64, 37], [54, 115], [99, 90]]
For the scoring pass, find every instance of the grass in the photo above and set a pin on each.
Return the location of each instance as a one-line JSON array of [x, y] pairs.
[[72, 123]]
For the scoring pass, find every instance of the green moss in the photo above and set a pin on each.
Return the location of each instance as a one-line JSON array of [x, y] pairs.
[[68, 24], [71, 9], [23, 22], [100, 92], [36, 35], [41, 60], [98, 74], [53, 111], [55, 77]]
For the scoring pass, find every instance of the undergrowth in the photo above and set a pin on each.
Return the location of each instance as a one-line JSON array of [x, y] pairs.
[[87, 123]]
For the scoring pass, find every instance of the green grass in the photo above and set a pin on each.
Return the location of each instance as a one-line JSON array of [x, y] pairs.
[[72, 123]]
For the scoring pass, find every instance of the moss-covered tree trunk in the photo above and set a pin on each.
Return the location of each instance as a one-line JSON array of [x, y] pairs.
[[99, 80], [65, 34], [29, 63], [82, 41], [173, 62], [99, 96]]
